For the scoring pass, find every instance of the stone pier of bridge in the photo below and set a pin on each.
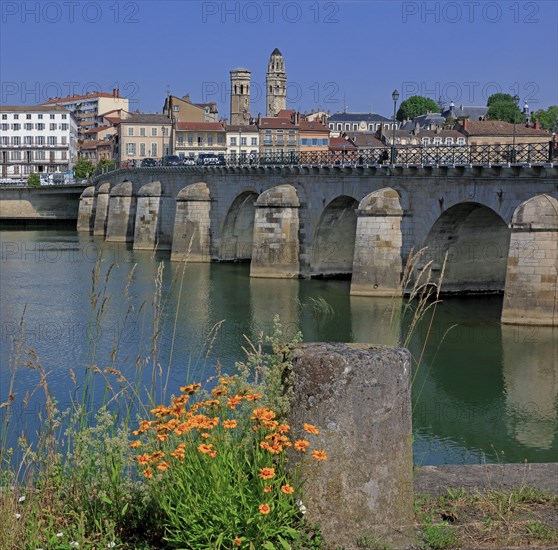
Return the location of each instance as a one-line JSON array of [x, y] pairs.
[[483, 229]]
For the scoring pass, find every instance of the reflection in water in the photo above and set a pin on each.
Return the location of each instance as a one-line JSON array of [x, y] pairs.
[[481, 389], [530, 370]]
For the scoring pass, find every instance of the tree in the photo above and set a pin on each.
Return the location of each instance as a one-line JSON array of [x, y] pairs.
[[547, 119], [415, 106], [34, 180], [83, 168], [503, 107], [105, 164]]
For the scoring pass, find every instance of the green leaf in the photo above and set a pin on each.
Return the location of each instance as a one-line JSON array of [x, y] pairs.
[[269, 545], [284, 543], [107, 500]]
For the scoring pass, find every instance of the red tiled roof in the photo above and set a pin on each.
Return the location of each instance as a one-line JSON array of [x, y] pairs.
[[276, 123], [316, 126], [97, 130], [285, 113], [68, 99], [114, 119], [200, 126], [241, 127], [500, 128], [341, 143]]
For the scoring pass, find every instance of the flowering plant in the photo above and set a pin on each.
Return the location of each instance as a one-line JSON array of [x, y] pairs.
[[218, 466]]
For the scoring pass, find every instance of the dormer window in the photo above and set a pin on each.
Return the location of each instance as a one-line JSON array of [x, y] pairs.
[[437, 141], [425, 141]]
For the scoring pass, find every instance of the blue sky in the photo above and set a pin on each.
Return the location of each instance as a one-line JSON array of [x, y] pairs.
[[337, 53]]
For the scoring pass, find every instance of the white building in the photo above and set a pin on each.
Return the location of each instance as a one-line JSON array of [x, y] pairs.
[[243, 142], [40, 139]]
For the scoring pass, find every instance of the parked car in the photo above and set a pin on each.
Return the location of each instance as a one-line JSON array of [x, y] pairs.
[[148, 162], [207, 159], [171, 160], [188, 161]]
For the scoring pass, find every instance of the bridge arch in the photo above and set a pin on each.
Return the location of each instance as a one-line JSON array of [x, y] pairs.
[[237, 234], [334, 238], [474, 241]]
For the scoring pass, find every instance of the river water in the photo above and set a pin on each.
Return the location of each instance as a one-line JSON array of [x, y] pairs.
[[482, 392]]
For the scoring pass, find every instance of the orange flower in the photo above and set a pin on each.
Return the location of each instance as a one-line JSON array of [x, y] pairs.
[[253, 396], [237, 541], [287, 489], [218, 392], [311, 429], [135, 444], [213, 453], [266, 473], [205, 435], [163, 466], [156, 456], [319, 455], [229, 424], [191, 388], [267, 489], [205, 449], [232, 402], [143, 459], [161, 437], [301, 445], [283, 428], [148, 473], [264, 509]]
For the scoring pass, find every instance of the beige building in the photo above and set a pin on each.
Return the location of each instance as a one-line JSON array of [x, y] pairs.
[[279, 137], [181, 109], [193, 138], [243, 141], [142, 136], [314, 137], [240, 96], [491, 132]]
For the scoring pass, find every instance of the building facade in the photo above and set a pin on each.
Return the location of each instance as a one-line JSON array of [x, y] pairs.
[[243, 142], [276, 84], [40, 139], [340, 123], [181, 109], [279, 137], [193, 138], [88, 108], [314, 139], [142, 136]]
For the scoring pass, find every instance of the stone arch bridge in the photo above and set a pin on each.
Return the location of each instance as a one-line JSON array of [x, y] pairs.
[[490, 229]]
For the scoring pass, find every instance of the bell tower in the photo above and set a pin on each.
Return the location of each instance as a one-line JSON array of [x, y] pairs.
[[276, 84], [240, 96]]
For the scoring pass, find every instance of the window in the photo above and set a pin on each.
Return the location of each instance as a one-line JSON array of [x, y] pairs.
[[51, 117], [40, 140], [200, 141], [175, 108], [425, 141], [63, 155], [4, 127], [267, 139], [153, 131], [254, 141], [449, 141], [180, 139], [460, 141], [371, 127], [28, 126], [154, 151], [165, 131], [40, 155], [210, 140], [28, 117], [142, 149], [130, 130], [4, 117], [220, 139], [64, 127], [437, 141], [142, 132], [16, 127], [355, 127], [4, 140], [243, 141], [52, 140], [190, 140], [64, 117], [16, 140], [64, 140], [16, 155], [16, 117], [53, 126], [40, 117], [347, 126], [40, 126], [131, 149], [28, 140]]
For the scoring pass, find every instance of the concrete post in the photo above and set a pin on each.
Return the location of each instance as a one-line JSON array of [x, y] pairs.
[[531, 291], [121, 213], [86, 212], [359, 396], [191, 240], [275, 253], [146, 233], [377, 263], [101, 209]]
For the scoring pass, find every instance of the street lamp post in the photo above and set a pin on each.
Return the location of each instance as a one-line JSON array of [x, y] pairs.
[[395, 97], [516, 103]]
